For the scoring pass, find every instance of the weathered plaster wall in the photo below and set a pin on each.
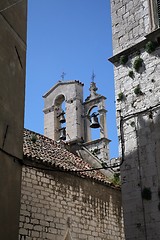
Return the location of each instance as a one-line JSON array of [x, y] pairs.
[[140, 132], [12, 80], [138, 115], [53, 203], [147, 78]]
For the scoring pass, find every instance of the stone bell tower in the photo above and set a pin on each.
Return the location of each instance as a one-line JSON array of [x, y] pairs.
[[100, 146], [68, 118], [64, 103]]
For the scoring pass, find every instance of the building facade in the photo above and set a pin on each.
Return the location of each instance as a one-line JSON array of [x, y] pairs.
[[136, 52], [13, 19]]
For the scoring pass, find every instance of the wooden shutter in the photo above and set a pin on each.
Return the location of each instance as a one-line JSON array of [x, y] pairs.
[[158, 8]]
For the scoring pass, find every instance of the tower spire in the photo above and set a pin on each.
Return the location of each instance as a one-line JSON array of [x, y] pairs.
[[62, 75], [93, 76], [93, 87]]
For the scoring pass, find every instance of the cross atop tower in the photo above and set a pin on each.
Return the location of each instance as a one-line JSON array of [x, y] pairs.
[[62, 75], [93, 76]]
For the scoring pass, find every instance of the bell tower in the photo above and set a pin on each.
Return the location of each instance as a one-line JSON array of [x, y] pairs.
[[95, 100], [68, 118], [63, 110], [100, 146]]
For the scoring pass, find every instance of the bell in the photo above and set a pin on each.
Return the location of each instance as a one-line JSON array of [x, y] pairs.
[[94, 121], [62, 134], [62, 118]]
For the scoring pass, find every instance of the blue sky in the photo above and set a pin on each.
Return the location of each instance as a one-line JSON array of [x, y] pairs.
[[73, 36]]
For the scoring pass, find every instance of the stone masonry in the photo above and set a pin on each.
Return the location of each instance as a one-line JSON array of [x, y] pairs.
[[140, 118], [63, 197], [130, 22], [53, 203], [137, 91]]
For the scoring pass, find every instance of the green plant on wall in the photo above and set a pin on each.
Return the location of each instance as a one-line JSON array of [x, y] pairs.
[[123, 59], [121, 96], [131, 74], [146, 194], [138, 91], [150, 47], [34, 138], [138, 63], [116, 179]]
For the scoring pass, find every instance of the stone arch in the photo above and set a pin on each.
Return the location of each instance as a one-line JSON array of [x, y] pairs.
[[59, 99]]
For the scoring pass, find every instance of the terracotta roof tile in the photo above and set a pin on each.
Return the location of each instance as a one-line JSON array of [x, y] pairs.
[[38, 148]]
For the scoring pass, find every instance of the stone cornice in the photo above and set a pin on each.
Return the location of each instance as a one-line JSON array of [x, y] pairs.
[[97, 141], [98, 98], [149, 37]]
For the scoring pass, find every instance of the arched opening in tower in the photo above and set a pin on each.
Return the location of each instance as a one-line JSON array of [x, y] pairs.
[[94, 123], [60, 120]]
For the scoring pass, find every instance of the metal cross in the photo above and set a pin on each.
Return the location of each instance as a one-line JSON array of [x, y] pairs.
[[63, 74], [93, 76]]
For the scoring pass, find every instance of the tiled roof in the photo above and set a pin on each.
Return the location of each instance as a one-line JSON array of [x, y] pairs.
[[40, 149]]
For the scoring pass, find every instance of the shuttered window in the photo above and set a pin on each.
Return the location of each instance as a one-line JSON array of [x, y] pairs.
[[158, 8]]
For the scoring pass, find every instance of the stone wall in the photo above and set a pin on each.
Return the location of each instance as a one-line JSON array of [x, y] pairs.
[[147, 78], [130, 22], [57, 202], [134, 24], [138, 120], [139, 113]]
